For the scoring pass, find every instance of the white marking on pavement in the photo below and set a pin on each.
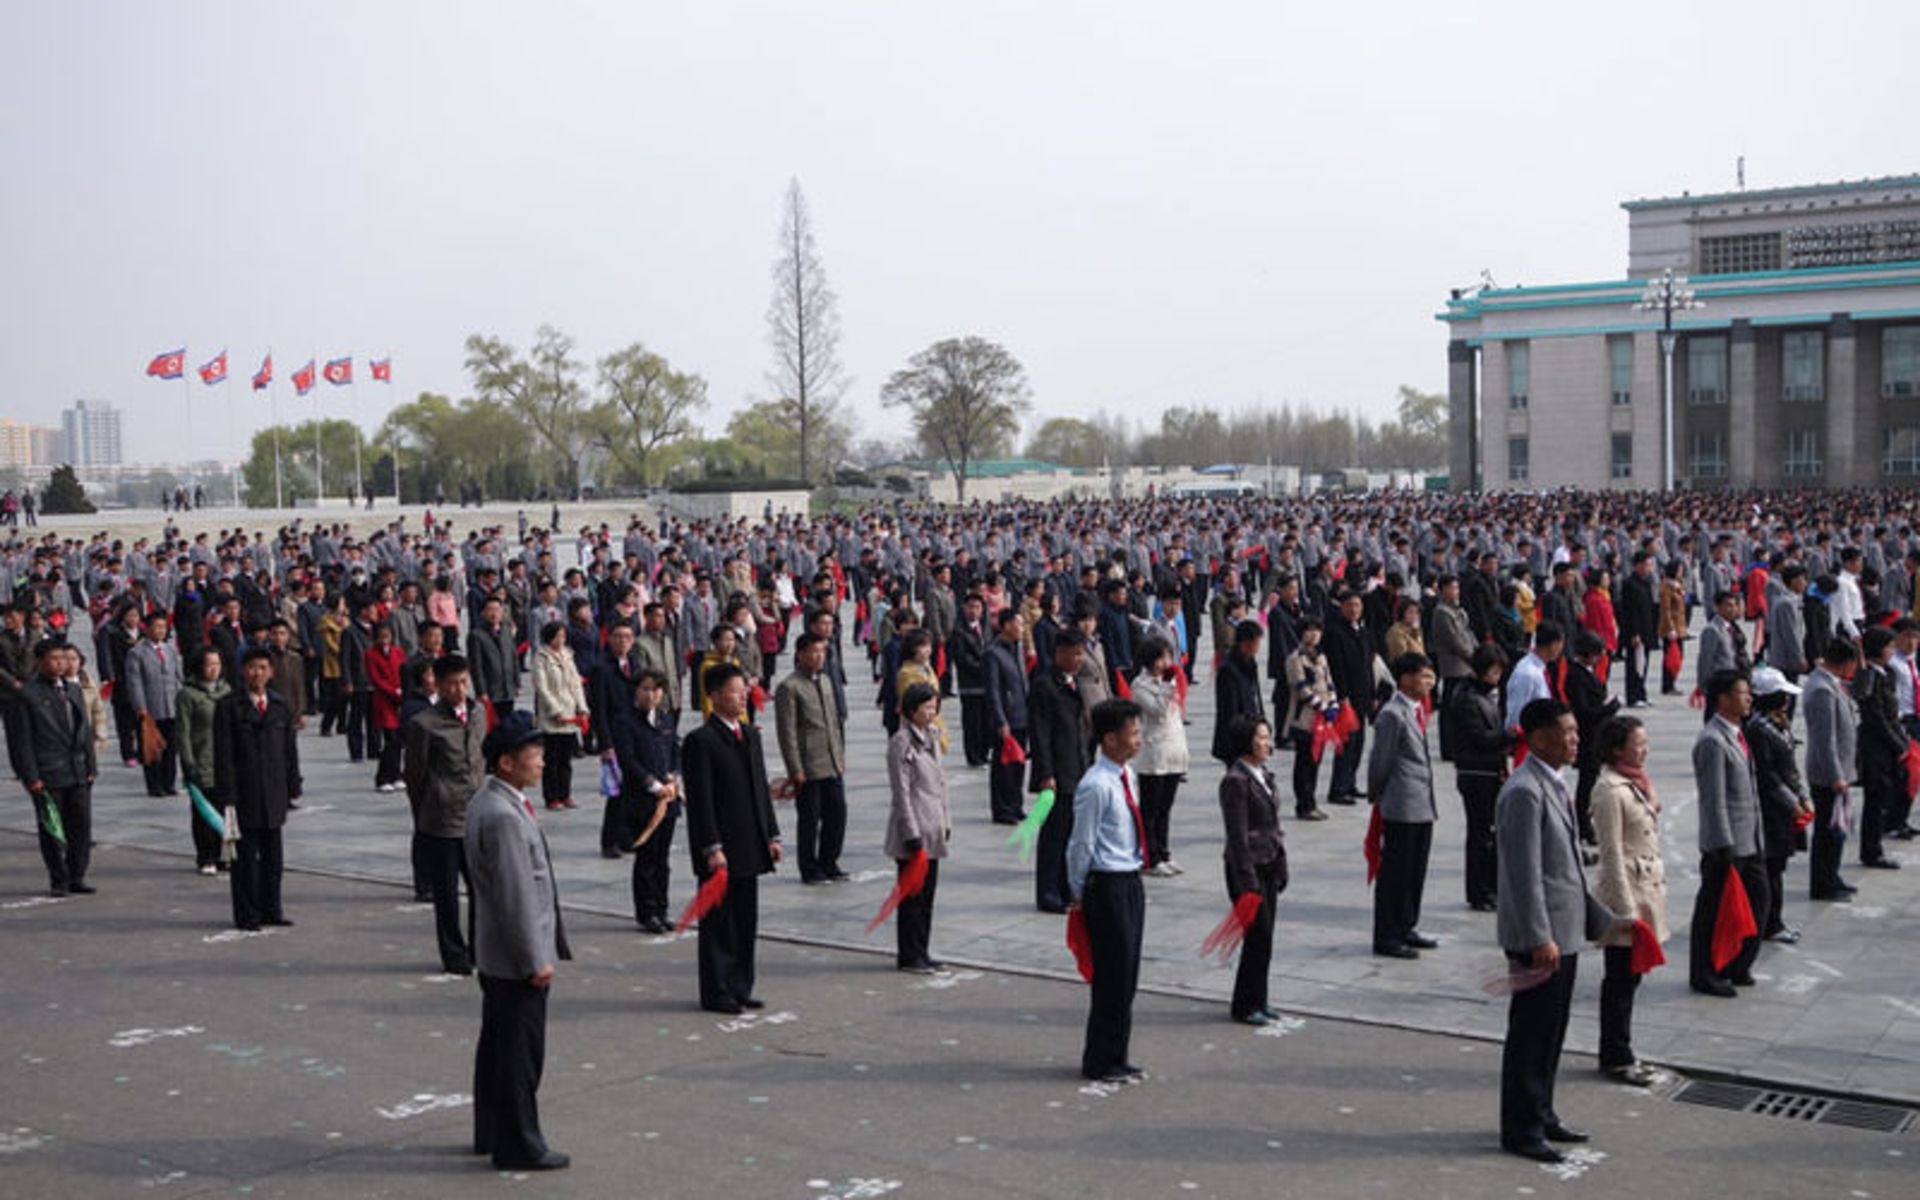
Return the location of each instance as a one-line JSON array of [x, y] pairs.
[[872, 874], [1281, 1027], [754, 1020], [946, 979], [128, 1038], [20, 1140], [1817, 965], [154, 1181], [854, 1189], [1912, 1010], [1799, 985], [1864, 912], [235, 935], [424, 1102], [32, 902], [1578, 1163]]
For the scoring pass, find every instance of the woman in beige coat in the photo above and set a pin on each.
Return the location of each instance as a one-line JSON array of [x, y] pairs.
[[1632, 882], [559, 709], [919, 821]]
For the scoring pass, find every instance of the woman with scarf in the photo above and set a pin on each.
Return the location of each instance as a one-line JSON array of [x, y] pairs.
[[1632, 882]]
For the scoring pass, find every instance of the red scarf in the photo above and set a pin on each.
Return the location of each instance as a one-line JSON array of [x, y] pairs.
[[1637, 776]]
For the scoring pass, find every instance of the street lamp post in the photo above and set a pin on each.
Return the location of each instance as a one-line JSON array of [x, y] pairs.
[[1667, 294]]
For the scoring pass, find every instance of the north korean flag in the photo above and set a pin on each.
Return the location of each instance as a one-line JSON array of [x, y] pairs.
[[303, 379], [338, 371], [170, 365], [264, 375], [214, 370], [382, 369]]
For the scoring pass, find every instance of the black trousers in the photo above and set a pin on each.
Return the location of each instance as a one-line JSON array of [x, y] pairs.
[[973, 728], [726, 944], [1306, 773], [1668, 679], [254, 878], [1256, 953], [1115, 905], [445, 860], [820, 818], [1479, 794], [66, 860], [333, 707], [387, 770], [1008, 778], [1051, 892], [1403, 877], [422, 888], [1616, 1008], [1772, 920], [1706, 911], [160, 772], [913, 921], [1156, 813], [507, 1065], [1878, 796], [1826, 846], [1636, 657], [206, 839], [1447, 689], [1346, 764], [362, 738], [651, 867], [556, 777], [1585, 777], [1536, 1030], [126, 724]]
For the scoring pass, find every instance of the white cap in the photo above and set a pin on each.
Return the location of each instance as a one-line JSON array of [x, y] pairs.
[[1767, 681]]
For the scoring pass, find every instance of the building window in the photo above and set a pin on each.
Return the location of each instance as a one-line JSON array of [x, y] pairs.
[[1803, 453], [1900, 361], [1620, 367], [1623, 456], [1741, 252], [1519, 370], [1900, 452], [1803, 367], [1517, 464], [1707, 455], [1706, 370]]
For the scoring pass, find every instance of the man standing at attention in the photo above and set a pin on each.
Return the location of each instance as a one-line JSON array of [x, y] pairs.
[[1400, 781], [445, 765], [258, 766], [51, 745], [1105, 856], [1730, 833], [810, 745], [518, 936]]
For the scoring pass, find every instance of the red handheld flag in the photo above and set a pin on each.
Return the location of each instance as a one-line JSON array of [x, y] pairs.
[[1646, 954], [1670, 659], [1519, 748], [1010, 751], [493, 718], [1375, 845], [1734, 924], [1122, 690], [757, 698], [1226, 937], [1696, 699], [1345, 725], [704, 901], [1033, 660], [913, 877], [1080, 942], [1180, 687], [940, 661], [1912, 761], [1322, 736]]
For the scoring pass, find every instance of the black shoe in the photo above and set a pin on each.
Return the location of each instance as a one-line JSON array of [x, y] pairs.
[[82, 889], [57, 892], [1846, 887], [1484, 906], [1538, 1151], [1634, 1074], [423, 897], [1396, 952], [916, 968], [1312, 814], [552, 1160], [1055, 909], [1835, 897], [282, 922], [729, 1008], [838, 876], [247, 926], [1741, 980], [1348, 800], [1566, 1135], [460, 969], [811, 880], [753, 1002], [1882, 863], [1714, 987], [1006, 820], [1420, 941], [609, 852]]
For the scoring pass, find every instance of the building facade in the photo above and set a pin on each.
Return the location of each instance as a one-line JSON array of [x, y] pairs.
[[1800, 367], [90, 434]]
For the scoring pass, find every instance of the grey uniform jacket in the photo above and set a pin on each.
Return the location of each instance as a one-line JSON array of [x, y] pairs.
[[516, 903], [1543, 887], [1729, 803], [1786, 632], [1832, 732], [153, 679], [1400, 771], [1716, 652]]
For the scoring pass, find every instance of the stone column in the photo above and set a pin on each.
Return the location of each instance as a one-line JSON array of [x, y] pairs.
[[1464, 435], [1742, 404], [1841, 453]]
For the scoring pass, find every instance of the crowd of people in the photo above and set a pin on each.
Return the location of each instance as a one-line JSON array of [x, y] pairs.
[[472, 668]]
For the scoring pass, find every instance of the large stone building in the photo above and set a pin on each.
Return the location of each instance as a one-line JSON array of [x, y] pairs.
[[1799, 367], [90, 433]]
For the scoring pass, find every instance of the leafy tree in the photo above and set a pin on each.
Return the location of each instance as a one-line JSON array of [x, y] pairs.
[[64, 493], [965, 396], [297, 461], [1068, 441], [647, 405], [543, 388], [803, 327]]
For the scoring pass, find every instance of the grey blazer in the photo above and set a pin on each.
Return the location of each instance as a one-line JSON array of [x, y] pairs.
[[1716, 652], [1833, 724], [1786, 631], [153, 679], [1400, 771], [516, 903], [1543, 887], [1729, 803]]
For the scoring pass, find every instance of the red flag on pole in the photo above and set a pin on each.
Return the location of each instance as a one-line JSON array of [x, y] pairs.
[[214, 370], [264, 375], [338, 371], [303, 379], [170, 365], [381, 369]]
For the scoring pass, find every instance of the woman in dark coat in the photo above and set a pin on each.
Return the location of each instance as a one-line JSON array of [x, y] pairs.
[[1256, 860], [1783, 798]]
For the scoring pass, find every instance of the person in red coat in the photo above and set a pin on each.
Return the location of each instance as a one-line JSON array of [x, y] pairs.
[[385, 667]]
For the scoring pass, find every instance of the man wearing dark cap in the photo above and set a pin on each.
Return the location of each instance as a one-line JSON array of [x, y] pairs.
[[50, 742], [518, 936]]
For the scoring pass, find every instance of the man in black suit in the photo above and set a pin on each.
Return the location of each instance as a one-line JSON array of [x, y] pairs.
[[610, 690], [51, 745], [1236, 689], [1350, 655], [967, 651], [1639, 626], [1006, 714], [1062, 744], [731, 828], [258, 766]]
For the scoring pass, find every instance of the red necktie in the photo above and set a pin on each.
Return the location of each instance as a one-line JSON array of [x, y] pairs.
[[1420, 715], [1744, 748], [1139, 826], [261, 704], [528, 805], [739, 735]]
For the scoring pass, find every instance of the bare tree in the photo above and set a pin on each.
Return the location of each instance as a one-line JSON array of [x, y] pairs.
[[803, 326], [965, 396]]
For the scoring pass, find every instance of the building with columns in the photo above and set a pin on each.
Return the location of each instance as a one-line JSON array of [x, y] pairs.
[[1799, 367]]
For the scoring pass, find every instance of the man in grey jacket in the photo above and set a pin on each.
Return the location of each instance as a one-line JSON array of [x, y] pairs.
[[518, 937], [1786, 622], [153, 681], [1832, 763], [1545, 911], [815, 758], [1400, 781], [1730, 833]]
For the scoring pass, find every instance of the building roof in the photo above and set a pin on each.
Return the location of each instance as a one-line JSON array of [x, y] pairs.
[[1684, 200], [991, 468]]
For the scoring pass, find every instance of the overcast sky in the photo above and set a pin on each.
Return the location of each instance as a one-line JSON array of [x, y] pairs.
[[1148, 204]]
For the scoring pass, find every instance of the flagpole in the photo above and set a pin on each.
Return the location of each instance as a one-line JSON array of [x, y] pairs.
[[319, 455], [359, 485], [186, 377], [273, 412], [226, 384]]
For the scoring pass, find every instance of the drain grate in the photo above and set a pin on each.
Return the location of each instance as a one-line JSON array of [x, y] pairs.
[[1796, 1106]]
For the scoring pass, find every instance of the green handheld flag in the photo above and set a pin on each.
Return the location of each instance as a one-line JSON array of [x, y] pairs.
[[1027, 832], [50, 819], [206, 810]]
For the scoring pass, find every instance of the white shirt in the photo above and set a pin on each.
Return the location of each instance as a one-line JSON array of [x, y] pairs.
[[1849, 611], [1529, 683]]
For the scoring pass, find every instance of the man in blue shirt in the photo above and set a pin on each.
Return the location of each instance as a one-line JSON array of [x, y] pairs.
[[1105, 855]]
